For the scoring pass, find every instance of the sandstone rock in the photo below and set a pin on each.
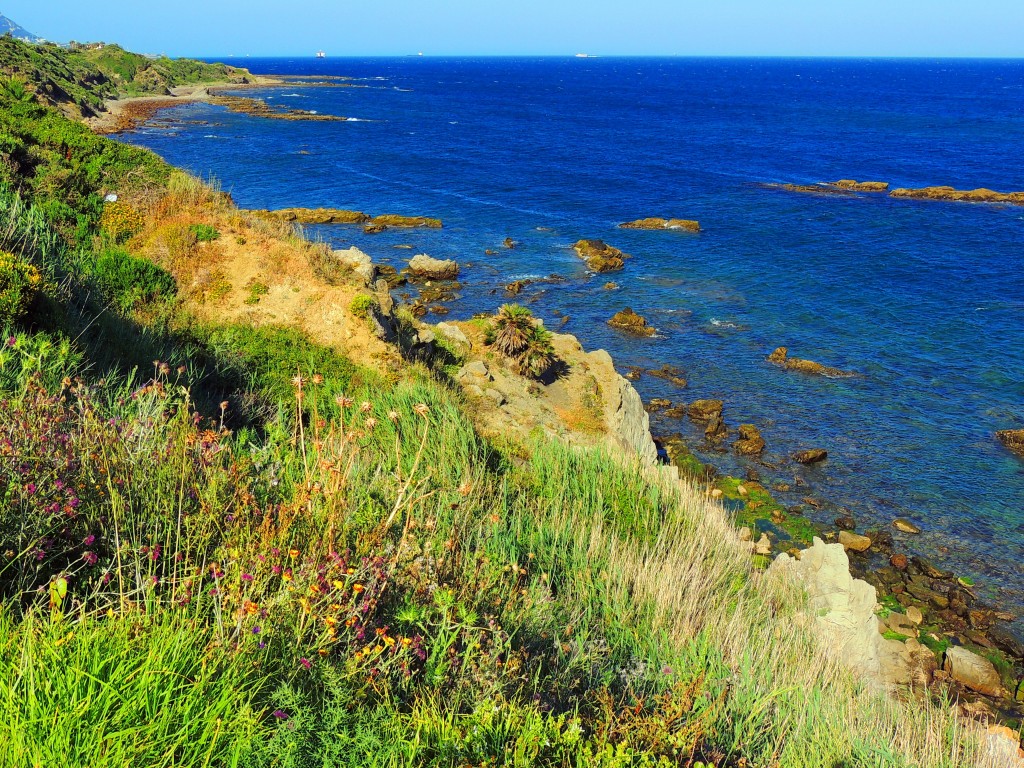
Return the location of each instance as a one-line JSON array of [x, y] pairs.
[[750, 442], [600, 256], [950, 194], [357, 261], [657, 404], [628, 422], [454, 334], [716, 429], [670, 373], [391, 275], [845, 523], [495, 396], [781, 357], [655, 223], [629, 321], [811, 456], [610, 286], [391, 220], [316, 215], [763, 545], [915, 615], [854, 541], [474, 371], [705, 410], [905, 526], [973, 671], [1001, 746], [745, 534], [1012, 439], [843, 607], [426, 268], [861, 186], [900, 562], [373, 229]]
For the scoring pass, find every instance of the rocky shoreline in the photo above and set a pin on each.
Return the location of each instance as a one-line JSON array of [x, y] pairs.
[[852, 188]]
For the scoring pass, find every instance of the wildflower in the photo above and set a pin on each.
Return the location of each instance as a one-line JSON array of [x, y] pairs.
[[393, 415], [465, 488], [11, 341], [365, 406], [338, 584], [257, 629], [30, 488], [293, 553], [370, 424], [406, 642], [357, 588], [306, 663], [342, 401], [324, 651], [247, 577], [421, 409], [297, 381], [287, 575], [317, 378], [224, 406], [280, 714], [90, 558]]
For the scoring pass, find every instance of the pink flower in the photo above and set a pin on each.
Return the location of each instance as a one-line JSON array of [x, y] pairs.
[[306, 663]]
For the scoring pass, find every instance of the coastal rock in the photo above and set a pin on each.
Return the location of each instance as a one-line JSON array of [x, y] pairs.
[[474, 373], [1013, 439], [905, 526], [609, 286], [950, 194], [716, 429], [781, 357], [688, 225], [390, 275], [424, 267], [392, 220], [750, 442], [373, 229], [861, 186], [845, 523], [854, 541], [316, 215], [360, 263], [600, 256], [454, 334], [705, 410], [657, 404], [763, 545], [811, 456], [629, 321], [670, 373], [843, 607], [628, 422], [973, 671], [509, 243]]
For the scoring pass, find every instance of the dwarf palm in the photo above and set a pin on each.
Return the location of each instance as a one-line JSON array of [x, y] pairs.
[[513, 329]]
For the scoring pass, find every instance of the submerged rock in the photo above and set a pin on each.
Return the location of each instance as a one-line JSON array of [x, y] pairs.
[[781, 357], [670, 373], [629, 321], [905, 526], [316, 215], [600, 256], [509, 243], [426, 268], [688, 225], [750, 442], [705, 410], [811, 456], [861, 186], [1013, 439], [854, 541], [392, 220]]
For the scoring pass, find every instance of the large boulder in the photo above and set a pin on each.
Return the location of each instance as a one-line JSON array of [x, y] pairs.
[[854, 541], [842, 606], [973, 671], [629, 321], [810, 456], [750, 442], [424, 267], [781, 357], [689, 225], [600, 256], [360, 263], [1012, 439], [705, 410]]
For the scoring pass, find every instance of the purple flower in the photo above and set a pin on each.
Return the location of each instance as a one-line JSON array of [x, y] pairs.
[[90, 558], [88, 540], [280, 714], [306, 663], [257, 630], [11, 341], [30, 488], [246, 577]]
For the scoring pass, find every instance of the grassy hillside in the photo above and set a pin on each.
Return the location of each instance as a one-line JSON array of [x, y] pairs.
[[79, 81], [228, 542]]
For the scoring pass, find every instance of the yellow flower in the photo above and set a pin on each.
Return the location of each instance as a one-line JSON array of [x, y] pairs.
[[357, 588], [293, 553]]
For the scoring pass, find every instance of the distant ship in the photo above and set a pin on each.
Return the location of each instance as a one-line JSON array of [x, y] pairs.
[[321, 55], [585, 56]]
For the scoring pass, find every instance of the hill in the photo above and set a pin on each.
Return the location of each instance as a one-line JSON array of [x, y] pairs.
[[8, 27]]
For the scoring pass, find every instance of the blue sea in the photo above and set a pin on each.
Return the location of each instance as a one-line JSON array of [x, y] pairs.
[[924, 300]]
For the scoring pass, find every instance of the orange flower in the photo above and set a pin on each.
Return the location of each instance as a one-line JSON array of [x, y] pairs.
[[357, 588], [293, 552]]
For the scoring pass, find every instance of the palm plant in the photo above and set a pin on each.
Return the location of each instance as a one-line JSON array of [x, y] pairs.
[[513, 329], [539, 355]]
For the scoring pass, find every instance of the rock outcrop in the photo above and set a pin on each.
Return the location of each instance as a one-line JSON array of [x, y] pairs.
[[424, 267], [1013, 439], [360, 263], [688, 225], [810, 456], [316, 215], [705, 410], [860, 186], [670, 373], [600, 256], [781, 357], [842, 606], [629, 425], [950, 194], [392, 220], [629, 321], [750, 442]]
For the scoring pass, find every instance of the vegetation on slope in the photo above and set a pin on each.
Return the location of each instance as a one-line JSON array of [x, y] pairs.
[[225, 544]]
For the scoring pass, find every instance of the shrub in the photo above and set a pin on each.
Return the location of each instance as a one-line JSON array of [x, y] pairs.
[[256, 291], [517, 335], [131, 281], [120, 220], [19, 283], [204, 233], [361, 304]]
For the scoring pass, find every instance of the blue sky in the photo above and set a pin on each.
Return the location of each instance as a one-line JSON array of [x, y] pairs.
[[536, 27]]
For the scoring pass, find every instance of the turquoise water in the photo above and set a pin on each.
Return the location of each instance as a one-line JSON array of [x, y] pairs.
[[924, 300]]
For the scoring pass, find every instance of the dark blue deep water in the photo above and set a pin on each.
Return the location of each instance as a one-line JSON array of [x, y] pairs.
[[924, 300]]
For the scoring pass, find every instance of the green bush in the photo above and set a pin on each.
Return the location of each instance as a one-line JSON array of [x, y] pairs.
[[19, 284], [205, 233], [130, 281], [120, 220], [257, 290], [361, 304]]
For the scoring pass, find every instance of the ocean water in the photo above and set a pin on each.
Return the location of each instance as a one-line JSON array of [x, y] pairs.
[[924, 300]]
